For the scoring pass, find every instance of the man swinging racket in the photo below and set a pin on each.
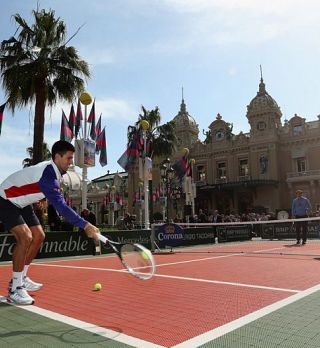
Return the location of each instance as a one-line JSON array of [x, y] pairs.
[[17, 194]]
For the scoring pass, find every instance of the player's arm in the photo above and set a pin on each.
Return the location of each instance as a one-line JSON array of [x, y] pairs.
[[308, 208], [50, 187]]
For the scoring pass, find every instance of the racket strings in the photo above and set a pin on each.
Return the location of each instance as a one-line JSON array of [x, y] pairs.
[[138, 260]]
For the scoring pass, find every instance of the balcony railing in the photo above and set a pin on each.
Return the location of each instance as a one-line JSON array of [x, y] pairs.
[[292, 176], [222, 180], [243, 178], [304, 173]]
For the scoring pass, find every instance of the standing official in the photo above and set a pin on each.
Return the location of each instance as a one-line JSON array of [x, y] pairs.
[[301, 208]]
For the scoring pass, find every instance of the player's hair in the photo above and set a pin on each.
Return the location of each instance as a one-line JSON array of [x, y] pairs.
[[61, 147]]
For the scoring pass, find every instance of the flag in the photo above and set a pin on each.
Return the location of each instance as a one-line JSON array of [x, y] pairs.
[[180, 167], [79, 118], [1, 114], [92, 114], [99, 142], [132, 153], [72, 119], [65, 131], [189, 170], [92, 120], [103, 149], [98, 127]]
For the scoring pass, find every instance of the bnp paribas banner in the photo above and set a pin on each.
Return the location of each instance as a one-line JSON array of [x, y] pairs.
[[63, 244]]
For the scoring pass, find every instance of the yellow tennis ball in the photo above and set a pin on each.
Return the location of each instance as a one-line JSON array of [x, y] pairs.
[[145, 255], [97, 286], [85, 98]]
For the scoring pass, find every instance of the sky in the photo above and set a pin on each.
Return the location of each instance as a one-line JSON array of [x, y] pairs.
[[142, 52]]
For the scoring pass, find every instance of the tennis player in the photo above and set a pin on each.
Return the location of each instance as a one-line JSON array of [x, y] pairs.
[[17, 194]]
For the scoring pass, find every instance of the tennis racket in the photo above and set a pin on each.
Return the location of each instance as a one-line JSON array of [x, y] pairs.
[[137, 259]]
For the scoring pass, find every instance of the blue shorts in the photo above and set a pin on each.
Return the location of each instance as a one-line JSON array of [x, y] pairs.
[[11, 215]]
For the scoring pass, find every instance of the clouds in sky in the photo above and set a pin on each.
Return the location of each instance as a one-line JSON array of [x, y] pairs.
[[142, 52]]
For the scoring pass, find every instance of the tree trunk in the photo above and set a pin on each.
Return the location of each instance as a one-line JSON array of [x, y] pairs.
[[39, 118]]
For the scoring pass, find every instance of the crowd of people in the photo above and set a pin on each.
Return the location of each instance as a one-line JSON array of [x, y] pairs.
[[216, 217]]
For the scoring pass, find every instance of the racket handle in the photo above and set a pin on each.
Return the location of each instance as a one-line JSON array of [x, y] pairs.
[[102, 238]]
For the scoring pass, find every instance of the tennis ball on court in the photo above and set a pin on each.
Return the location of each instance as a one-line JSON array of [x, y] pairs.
[[145, 255], [97, 286]]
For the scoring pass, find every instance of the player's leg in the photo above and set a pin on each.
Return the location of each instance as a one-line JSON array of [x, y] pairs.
[[298, 231], [304, 231], [17, 292], [38, 236], [13, 221]]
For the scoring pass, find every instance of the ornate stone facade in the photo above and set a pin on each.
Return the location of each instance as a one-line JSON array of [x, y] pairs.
[[262, 169]]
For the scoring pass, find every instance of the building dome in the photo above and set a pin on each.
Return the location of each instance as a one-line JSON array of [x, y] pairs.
[[185, 120], [72, 179], [262, 103]]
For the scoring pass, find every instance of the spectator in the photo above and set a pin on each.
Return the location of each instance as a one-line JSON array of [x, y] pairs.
[[89, 216], [128, 221], [301, 208], [202, 217]]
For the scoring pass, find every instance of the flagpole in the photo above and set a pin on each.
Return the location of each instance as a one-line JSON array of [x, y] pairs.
[[193, 161], [145, 126], [85, 99]]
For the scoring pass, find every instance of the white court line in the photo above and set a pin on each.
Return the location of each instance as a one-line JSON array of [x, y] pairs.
[[227, 283], [98, 330], [176, 277], [183, 278], [238, 323], [218, 257]]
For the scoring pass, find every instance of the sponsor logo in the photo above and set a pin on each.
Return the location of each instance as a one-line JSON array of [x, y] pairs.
[[170, 235]]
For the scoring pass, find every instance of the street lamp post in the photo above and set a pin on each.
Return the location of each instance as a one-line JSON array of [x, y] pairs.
[[177, 191], [169, 177], [166, 173], [140, 204], [85, 99], [193, 161], [163, 171], [145, 126], [112, 204]]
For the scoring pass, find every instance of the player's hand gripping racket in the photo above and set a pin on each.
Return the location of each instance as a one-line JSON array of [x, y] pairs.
[[137, 259]]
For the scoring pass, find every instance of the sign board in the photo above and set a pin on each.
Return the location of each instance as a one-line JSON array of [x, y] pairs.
[[85, 153]]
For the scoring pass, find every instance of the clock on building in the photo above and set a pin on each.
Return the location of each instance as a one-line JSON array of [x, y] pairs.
[[219, 134]]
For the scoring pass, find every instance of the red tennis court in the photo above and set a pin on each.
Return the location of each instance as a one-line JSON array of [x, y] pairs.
[[191, 294]]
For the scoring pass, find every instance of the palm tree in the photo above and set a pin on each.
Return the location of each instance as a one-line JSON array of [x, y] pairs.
[[161, 139], [38, 67], [27, 162]]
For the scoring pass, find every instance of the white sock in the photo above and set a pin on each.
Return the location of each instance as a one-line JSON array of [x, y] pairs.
[[25, 270], [16, 280]]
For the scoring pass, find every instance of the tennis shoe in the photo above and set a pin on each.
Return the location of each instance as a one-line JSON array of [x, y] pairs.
[[30, 285], [20, 296]]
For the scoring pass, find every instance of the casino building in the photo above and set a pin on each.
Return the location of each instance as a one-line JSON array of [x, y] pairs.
[[259, 170], [255, 171]]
